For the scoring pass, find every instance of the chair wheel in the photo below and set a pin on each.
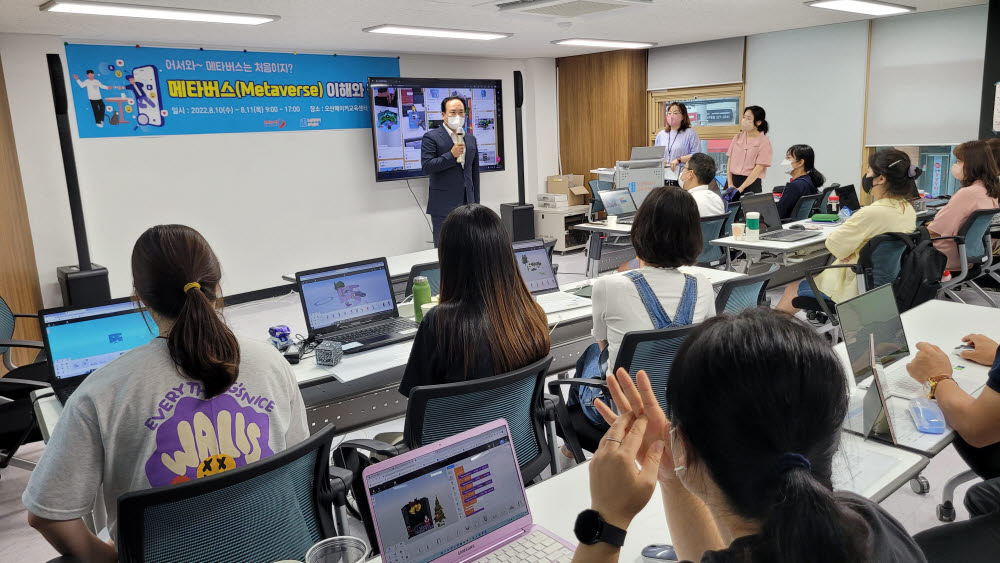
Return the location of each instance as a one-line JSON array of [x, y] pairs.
[[946, 512], [920, 485]]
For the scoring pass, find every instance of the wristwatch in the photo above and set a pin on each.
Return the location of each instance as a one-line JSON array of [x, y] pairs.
[[590, 529], [932, 382]]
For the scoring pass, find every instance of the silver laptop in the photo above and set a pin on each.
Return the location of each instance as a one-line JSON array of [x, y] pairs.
[[536, 270], [620, 203], [648, 153]]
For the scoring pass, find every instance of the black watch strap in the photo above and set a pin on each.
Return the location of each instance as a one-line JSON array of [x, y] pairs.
[[591, 528], [612, 535]]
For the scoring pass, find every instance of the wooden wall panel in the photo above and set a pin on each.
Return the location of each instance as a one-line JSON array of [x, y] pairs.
[[18, 273], [602, 109]]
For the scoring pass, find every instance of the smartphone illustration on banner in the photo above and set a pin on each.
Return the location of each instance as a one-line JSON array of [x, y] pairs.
[[146, 89]]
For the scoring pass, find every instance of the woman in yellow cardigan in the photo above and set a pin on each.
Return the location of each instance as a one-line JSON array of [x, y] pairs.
[[890, 180]]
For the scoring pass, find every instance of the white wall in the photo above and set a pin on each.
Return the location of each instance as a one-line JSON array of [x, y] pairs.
[[270, 203], [811, 82]]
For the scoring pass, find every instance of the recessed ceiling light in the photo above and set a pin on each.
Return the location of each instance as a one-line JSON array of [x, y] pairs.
[[436, 32], [604, 43], [867, 7], [152, 12]]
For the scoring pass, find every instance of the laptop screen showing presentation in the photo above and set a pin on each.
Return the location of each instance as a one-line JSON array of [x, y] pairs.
[[872, 314], [618, 202], [535, 267], [436, 504], [763, 204], [335, 297], [81, 340]]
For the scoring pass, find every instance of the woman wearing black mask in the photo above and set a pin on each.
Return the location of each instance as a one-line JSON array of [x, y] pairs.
[[891, 180]]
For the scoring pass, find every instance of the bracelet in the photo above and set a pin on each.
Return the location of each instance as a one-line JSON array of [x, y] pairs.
[[934, 381]]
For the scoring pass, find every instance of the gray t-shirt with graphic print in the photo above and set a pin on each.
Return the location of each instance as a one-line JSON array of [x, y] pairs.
[[138, 423]]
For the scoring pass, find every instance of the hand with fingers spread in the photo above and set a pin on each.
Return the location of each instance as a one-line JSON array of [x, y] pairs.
[[638, 398], [618, 489], [984, 350]]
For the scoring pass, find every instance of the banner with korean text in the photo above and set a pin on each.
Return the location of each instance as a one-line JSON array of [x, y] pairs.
[[123, 91]]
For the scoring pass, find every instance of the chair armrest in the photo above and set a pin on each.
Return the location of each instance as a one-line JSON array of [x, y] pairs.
[[576, 382], [374, 446], [962, 256], [340, 482], [21, 344]]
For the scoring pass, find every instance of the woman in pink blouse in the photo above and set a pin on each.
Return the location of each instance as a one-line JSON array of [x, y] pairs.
[[976, 169], [749, 153]]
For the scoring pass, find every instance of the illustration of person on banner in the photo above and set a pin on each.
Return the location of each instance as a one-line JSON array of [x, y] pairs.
[[94, 88]]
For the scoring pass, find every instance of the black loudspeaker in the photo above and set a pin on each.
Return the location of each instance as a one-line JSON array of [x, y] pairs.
[[519, 220], [84, 288]]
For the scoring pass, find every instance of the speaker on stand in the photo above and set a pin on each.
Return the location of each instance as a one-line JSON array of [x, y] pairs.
[[519, 218]]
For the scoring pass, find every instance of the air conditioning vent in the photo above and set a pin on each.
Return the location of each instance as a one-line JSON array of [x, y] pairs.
[[567, 8]]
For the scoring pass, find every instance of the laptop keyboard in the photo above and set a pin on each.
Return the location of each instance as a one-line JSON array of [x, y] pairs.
[[384, 329], [900, 383], [561, 301], [627, 220], [536, 546], [786, 234]]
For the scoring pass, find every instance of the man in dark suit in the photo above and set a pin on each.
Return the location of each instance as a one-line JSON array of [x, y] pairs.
[[450, 158], [138, 90]]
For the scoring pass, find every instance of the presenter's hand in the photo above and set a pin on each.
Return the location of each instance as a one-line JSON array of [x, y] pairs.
[[929, 362], [985, 349], [673, 165], [458, 150]]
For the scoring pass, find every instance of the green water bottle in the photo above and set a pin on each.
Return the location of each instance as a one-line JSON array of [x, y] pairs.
[[421, 295]]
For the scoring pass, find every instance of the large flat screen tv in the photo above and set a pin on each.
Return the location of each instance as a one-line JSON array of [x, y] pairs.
[[403, 109]]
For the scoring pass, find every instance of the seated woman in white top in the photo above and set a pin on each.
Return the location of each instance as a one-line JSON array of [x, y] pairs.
[[163, 412], [666, 233], [696, 178]]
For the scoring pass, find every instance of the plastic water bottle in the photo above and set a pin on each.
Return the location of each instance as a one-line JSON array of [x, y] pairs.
[[421, 295], [834, 203], [845, 213], [752, 232]]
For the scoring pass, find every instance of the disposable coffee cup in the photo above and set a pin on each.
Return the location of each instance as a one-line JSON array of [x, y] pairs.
[[738, 230], [612, 220], [340, 549]]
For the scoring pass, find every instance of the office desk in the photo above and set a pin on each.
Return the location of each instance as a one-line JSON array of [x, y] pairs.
[[867, 468], [783, 253], [942, 323], [399, 268]]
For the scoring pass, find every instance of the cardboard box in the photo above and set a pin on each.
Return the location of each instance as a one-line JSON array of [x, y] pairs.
[[569, 184]]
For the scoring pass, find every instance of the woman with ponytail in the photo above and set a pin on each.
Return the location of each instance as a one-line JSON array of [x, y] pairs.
[[800, 164], [193, 402], [745, 468]]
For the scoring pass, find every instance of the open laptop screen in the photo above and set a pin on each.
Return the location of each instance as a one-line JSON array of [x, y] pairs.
[[618, 202], [763, 204], [535, 267], [345, 294], [872, 313], [81, 340], [431, 505]]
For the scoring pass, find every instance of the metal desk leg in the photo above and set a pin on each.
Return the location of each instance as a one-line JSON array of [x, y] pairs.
[[594, 248], [729, 259]]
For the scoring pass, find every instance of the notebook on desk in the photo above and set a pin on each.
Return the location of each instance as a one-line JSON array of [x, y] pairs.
[[79, 340], [456, 500], [536, 271]]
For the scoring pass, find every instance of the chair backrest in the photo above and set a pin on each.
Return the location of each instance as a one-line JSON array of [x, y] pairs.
[[272, 509], [6, 324], [17, 415], [711, 229], [804, 206], [430, 270], [436, 412], [976, 232], [743, 293], [596, 204], [881, 258], [654, 352], [734, 208]]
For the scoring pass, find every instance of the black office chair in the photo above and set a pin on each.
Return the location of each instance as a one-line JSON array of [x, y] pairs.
[[436, 412], [803, 208], [270, 510], [7, 320], [18, 425], [596, 204], [431, 271], [975, 250], [734, 209], [711, 229], [744, 293], [824, 202]]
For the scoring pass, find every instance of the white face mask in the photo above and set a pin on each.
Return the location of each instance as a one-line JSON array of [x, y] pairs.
[[456, 122], [786, 166]]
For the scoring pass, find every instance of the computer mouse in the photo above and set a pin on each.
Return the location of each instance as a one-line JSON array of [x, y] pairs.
[[658, 553], [797, 227]]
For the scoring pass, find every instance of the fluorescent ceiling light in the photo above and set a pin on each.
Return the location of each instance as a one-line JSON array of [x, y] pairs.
[[867, 7], [604, 43], [436, 32], [152, 12]]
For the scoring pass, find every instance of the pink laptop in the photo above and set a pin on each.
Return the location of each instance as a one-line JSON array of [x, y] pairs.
[[456, 500]]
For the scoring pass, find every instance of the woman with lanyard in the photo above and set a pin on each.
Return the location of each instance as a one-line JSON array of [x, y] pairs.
[[680, 140], [749, 154]]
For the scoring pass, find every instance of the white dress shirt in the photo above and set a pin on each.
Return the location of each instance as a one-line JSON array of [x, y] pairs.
[[709, 203], [455, 139]]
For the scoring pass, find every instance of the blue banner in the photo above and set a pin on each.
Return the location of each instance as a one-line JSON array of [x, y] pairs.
[[122, 91]]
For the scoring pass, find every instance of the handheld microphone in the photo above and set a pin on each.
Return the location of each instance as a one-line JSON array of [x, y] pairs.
[[461, 135]]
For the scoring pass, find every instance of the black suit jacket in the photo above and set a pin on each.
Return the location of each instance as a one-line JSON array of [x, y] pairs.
[[451, 185]]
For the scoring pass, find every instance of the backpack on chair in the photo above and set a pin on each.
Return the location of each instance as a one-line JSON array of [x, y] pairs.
[[919, 278]]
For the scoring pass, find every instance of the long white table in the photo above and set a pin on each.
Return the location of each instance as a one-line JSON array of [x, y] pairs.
[[781, 252], [867, 468]]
